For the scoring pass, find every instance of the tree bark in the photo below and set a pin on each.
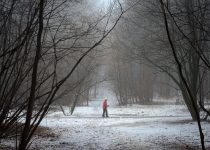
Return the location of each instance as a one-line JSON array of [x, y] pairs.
[[26, 130]]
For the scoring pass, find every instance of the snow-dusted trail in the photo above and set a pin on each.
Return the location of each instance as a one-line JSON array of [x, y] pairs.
[[124, 133], [128, 128], [142, 127], [124, 116]]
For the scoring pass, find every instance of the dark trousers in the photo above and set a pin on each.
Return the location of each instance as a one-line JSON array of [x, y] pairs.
[[105, 112]]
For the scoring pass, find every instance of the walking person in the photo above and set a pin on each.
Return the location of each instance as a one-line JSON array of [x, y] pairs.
[[105, 105]]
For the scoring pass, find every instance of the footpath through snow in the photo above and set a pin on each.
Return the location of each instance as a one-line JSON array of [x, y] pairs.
[[152, 127]]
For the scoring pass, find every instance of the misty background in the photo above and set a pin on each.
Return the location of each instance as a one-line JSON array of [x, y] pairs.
[[58, 53]]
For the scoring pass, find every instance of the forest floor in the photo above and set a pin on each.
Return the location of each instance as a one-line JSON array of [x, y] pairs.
[[146, 127]]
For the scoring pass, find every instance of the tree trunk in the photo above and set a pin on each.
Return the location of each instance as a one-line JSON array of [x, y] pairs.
[[26, 131]]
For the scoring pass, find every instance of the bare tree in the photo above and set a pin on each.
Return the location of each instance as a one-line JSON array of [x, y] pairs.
[[149, 46], [37, 36], [186, 85], [135, 78]]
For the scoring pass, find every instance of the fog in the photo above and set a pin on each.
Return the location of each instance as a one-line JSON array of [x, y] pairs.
[[61, 56]]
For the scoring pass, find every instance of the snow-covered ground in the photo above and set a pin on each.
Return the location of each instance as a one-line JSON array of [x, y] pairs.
[[146, 127]]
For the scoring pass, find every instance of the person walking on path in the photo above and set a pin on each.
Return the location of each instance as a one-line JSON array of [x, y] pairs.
[[105, 112]]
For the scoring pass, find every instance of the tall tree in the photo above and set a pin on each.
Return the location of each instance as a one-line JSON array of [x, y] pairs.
[[37, 37]]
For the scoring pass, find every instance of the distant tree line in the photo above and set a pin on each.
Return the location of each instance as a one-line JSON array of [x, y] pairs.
[[143, 65], [137, 64]]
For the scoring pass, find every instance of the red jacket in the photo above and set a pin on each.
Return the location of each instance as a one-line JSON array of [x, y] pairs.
[[104, 104]]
